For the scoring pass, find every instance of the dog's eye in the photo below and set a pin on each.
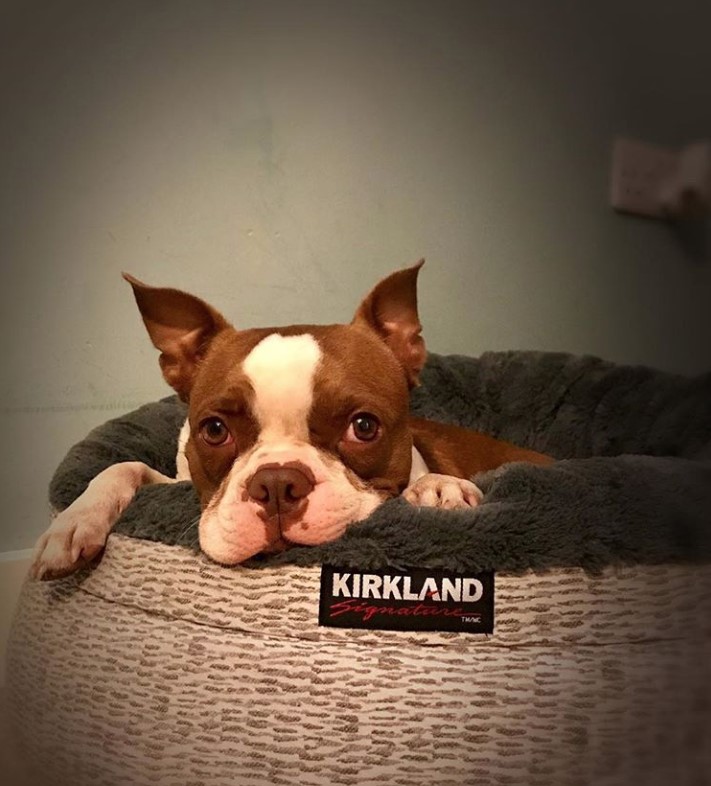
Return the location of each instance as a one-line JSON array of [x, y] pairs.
[[215, 432], [363, 427]]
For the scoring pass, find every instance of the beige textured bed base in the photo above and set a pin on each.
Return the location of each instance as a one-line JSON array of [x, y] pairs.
[[161, 668]]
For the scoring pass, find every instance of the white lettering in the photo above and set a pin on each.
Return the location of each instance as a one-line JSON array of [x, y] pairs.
[[407, 594], [429, 590], [390, 588], [452, 590], [472, 590], [371, 586], [340, 585]]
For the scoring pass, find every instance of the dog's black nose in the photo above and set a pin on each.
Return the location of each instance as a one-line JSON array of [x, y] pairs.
[[281, 488]]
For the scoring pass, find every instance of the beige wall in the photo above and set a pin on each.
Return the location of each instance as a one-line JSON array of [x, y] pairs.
[[277, 158]]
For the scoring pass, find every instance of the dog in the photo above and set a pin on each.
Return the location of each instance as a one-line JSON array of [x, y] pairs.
[[293, 433]]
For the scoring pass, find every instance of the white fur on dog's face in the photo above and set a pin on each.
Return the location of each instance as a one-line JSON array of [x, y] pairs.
[[281, 371]]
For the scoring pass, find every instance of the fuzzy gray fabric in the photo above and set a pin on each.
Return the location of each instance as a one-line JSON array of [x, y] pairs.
[[632, 484]]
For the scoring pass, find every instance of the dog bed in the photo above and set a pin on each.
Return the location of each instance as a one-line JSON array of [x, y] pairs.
[[156, 666]]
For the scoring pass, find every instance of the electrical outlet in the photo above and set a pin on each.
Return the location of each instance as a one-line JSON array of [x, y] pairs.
[[638, 172]]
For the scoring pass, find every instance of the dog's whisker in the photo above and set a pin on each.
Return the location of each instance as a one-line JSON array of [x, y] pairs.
[[192, 524]]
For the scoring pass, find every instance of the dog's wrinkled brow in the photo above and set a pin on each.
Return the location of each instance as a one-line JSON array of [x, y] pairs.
[[229, 404]]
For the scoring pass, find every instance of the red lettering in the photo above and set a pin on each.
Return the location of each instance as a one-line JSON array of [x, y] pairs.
[[367, 611]]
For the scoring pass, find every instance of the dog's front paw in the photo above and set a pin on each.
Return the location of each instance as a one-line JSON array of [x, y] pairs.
[[74, 538], [443, 491]]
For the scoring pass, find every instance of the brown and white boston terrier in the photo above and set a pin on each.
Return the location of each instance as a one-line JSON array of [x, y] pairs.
[[293, 433]]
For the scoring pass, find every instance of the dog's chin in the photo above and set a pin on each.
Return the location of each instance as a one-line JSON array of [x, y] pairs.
[[225, 551]]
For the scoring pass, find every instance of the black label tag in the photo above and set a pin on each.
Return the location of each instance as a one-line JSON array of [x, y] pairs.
[[413, 599]]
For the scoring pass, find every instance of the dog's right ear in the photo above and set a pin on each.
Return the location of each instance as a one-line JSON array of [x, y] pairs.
[[390, 309], [181, 326]]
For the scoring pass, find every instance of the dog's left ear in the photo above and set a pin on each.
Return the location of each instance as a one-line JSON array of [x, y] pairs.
[[391, 311]]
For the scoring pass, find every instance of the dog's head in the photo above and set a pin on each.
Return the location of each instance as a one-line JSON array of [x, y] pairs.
[[295, 432]]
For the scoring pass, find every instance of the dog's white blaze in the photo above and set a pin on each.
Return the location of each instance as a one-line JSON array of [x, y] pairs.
[[281, 371]]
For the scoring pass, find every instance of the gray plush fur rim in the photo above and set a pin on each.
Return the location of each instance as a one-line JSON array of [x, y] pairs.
[[632, 483]]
